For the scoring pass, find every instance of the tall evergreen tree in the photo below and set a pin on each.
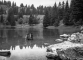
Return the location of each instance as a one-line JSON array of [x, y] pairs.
[[33, 9], [1, 10], [15, 10], [54, 14], [26, 6], [9, 3], [20, 14], [63, 9], [1, 19], [31, 19], [10, 17], [13, 4], [76, 12], [21, 5], [40, 10], [1, 2], [60, 12], [5, 3], [67, 14], [28, 12], [46, 21]]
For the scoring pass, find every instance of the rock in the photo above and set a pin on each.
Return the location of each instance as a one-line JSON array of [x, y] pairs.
[[78, 50], [64, 50], [51, 55], [76, 37], [81, 28], [59, 40], [82, 31], [70, 47], [46, 44], [64, 37]]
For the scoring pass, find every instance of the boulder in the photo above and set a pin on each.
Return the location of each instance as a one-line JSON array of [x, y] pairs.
[[64, 37], [46, 44], [64, 51], [59, 40]]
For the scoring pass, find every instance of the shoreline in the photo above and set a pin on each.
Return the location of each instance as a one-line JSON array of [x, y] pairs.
[[67, 49], [62, 27]]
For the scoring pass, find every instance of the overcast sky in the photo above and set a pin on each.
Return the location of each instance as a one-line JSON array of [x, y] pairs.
[[37, 2]]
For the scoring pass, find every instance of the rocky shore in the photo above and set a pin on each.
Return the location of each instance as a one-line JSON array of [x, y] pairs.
[[69, 48]]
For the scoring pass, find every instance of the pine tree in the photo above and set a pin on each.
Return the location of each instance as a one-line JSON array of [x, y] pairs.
[[40, 10], [9, 3], [20, 15], [1, 10], [31, 19], [76, 12], [5, 3], [21, 5], [26, 6], [67, 14], [1, 2], [54, 14], [28, 11], [46, 21], [15, 10], [13, 4], [63, 9], [10, 17], [2, 19], [33, 9], [60, 12]]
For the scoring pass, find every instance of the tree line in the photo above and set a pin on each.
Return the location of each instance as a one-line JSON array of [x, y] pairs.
[[13, 9], [25, 10], [70, 14]]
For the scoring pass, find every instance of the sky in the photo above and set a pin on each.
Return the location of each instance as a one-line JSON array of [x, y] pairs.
[[37, 2]]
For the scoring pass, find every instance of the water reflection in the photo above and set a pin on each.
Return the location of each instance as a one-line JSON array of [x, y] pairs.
[[13, 37], [52, 33], [21, 49], [28, 52]]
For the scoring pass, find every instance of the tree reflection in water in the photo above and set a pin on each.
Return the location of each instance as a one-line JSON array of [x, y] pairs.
[[21, 49]]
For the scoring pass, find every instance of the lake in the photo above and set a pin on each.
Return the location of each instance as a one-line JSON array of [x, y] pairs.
[[13, 39]]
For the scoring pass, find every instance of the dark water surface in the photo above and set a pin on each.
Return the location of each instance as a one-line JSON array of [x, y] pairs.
[[14, 40]]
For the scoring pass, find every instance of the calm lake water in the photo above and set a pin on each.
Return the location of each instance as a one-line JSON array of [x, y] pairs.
[[13, 39]]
